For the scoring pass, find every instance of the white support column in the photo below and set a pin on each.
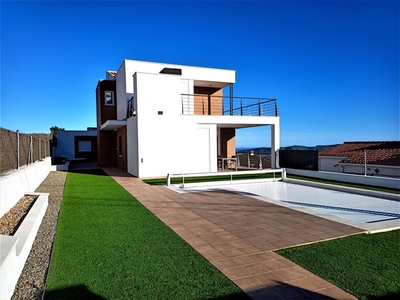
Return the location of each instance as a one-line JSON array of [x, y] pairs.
[[275, 145]]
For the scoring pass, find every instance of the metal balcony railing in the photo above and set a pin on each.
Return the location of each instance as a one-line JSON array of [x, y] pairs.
[[200, 104]]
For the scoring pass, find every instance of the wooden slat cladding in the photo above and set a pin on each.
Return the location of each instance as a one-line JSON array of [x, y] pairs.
[[207, 101]]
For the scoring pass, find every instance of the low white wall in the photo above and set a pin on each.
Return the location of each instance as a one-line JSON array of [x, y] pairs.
[[351, 178], [15, 185], [15, 249]]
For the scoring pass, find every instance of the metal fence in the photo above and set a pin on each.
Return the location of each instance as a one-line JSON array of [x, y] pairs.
[[20, 149], [199, 104]]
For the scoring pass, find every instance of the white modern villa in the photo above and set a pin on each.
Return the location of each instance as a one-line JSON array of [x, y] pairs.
[[155, 119]]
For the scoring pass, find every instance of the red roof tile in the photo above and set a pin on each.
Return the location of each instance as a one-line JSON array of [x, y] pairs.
[[378, 153]]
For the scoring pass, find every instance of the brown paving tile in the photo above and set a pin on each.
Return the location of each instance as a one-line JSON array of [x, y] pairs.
[[225, 264], [205, 249], [244, 235], [243, 260], [282, 244], [306, 283], [239, 243], [235, 273], [230, 237], [232, 253], [256, 268], [253, 240], [266, 246], [270, 238], [275, 265], [260, 257], [268, 279], [213, 256], [303, 271], [223, 246], [250, 250], [287, 262], [297, 241], [288, 274], [248, 284], [195, 241]]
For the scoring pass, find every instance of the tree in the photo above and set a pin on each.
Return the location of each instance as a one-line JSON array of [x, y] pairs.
[[54, 130]]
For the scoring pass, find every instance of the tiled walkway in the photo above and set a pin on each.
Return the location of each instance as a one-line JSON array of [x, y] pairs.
[[237, 235]]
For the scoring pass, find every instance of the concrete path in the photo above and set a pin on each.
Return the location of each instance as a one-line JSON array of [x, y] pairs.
[[237, 234]]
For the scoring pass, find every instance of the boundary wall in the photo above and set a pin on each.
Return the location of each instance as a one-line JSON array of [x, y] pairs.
[[385, 182], [25, 180], [14, 250]]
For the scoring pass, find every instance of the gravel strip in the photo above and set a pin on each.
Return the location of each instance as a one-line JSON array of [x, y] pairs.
[[32, 281], [10, 222]]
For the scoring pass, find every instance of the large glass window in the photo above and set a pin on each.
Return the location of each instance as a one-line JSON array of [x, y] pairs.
[[109, 98], [85, 146]]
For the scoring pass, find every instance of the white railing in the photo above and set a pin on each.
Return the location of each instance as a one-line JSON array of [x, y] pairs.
[[231, 174]]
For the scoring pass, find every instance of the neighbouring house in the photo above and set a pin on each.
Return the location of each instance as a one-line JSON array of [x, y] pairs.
[[76, 145], [366, 158], [157, 118]]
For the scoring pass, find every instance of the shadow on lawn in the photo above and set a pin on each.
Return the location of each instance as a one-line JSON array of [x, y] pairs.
[[391, 296], [74, 292], [100, 172]]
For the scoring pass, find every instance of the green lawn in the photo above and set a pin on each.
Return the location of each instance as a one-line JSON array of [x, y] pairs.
[[108, 246], [365, 265]]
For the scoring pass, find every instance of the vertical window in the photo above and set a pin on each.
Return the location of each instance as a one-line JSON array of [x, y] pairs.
[[109, 98], [120, 145]]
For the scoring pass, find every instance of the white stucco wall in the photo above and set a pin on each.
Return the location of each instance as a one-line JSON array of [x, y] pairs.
[[123, 86], [391, 171], [167, 142], [25, 180], [352, 178], [66, 142], [126, 89], [327, 163]]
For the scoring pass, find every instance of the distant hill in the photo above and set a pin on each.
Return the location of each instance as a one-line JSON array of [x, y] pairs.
[[267, 150]]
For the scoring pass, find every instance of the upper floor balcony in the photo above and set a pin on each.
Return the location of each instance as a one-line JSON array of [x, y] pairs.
[[201, 104]]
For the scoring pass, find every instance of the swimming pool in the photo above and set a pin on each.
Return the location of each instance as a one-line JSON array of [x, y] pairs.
[[362, 211]]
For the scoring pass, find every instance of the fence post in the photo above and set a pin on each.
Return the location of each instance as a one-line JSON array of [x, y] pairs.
[[17, 149], [40, 148], [231, 99], [30, 150]]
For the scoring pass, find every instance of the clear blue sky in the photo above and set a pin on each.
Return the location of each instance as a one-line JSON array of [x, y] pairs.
[[332, 65]]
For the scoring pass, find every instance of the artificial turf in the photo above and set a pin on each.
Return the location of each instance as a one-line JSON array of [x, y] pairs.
[[365, 265], [109, 246]]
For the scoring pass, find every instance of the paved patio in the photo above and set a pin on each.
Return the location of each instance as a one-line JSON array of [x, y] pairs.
[[237, 234]]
